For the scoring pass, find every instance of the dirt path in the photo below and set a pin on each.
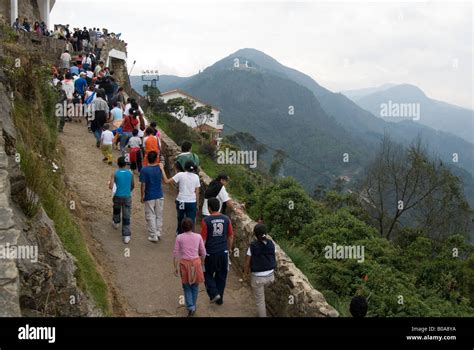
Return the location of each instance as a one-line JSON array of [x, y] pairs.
[[144, 280]]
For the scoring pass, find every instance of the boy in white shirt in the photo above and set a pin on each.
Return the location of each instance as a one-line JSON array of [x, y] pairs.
[[106, 142]]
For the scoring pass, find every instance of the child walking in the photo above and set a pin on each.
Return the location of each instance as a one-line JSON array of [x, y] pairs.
[[106, 142], [135, 155], [122, 208], [189, 253], [261, 262]]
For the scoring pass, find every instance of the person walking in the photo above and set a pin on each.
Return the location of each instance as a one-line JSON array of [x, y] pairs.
[[188, 254], [65, 60], [188, 193], [106, 142], [100, 108], [218, 236], [122, 199], [261, 263], [217, 189], [151, 178]]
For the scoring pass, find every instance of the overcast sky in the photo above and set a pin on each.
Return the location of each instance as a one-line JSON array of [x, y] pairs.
[[342, 46]]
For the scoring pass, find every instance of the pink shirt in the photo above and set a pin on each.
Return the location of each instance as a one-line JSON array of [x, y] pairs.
[[189, 245]]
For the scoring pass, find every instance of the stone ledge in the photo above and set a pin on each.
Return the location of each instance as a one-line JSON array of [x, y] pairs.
[[290, 283]]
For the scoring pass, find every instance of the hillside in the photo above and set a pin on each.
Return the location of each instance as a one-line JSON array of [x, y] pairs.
[[326, 124]]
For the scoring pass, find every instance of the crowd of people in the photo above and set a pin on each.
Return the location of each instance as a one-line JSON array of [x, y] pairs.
[[85, 39], [37, 26], [118, 122]]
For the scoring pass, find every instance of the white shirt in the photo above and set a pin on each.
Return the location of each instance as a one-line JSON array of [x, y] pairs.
[[261, 273], [66, 57], [90, 74], [187, 182], [222, 196], [97, 70], [134, 142], [127, 109], [87, 60], [68, 87], [107, 137]]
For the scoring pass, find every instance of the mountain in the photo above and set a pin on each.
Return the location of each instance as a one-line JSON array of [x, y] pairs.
[[164, 83], [255, 97], [435, 114], [358, 93]]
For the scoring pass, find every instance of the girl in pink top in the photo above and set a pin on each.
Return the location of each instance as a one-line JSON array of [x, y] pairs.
[[189, 254]]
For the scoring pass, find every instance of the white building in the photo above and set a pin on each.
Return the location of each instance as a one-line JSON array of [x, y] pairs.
[[44, 6], [212, 126]]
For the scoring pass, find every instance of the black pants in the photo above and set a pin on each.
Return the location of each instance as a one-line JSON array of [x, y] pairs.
[[216, 274]]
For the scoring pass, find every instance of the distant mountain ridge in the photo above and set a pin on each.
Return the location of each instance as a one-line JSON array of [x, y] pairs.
[[325, 125], [438, 115]]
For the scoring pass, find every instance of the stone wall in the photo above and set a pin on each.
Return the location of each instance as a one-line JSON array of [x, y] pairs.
[[291, 295], [26, 8], [9, 275]]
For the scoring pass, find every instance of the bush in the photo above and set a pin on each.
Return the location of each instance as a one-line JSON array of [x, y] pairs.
[[208, 150]]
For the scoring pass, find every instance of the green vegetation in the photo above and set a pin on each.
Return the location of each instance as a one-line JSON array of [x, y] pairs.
[[414, 275], [243, 180], [38, 149], [416, 261]]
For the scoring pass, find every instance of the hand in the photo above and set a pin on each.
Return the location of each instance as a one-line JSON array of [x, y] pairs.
[[176, 273]]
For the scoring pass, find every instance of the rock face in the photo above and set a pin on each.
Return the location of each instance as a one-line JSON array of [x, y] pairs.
[[9, 275], [48, 286], [37, 275], [291, 295]]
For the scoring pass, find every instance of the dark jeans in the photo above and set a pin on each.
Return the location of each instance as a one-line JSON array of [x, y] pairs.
[[138, 163], [185, 210], [124, 140], [98, 134], [215, 274], [123, 206], [62, 121]]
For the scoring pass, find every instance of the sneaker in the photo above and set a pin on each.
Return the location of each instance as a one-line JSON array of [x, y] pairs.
[[126, 239], [97, 144], [153, 239], [115, 225], [220, 302], [216, 299], [191, 313]]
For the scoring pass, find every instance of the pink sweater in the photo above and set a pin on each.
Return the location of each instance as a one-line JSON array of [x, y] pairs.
[[189, 245]]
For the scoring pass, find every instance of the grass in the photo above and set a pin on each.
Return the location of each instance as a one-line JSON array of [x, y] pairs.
[[36, 124]]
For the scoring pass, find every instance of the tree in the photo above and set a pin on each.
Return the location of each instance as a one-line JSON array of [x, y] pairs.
[[153, 97], [184, 107], [202, 115], [180, 107], [405, 180], [285, 207]]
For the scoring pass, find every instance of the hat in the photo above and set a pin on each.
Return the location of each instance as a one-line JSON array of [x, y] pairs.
[[82, 73]]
